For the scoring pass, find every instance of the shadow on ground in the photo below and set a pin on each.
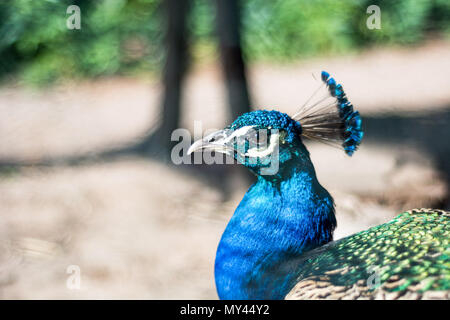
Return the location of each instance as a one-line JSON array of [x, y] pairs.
[[426, 132], [429, 133]]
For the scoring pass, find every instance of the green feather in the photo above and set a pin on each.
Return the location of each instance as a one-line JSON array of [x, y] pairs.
[[408, 257]]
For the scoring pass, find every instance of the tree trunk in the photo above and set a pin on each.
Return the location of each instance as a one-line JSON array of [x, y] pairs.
[[177, 58], [228, 30]]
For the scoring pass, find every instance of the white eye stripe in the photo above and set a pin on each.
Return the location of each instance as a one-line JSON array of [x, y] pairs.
[[239, 132], [254, 152]]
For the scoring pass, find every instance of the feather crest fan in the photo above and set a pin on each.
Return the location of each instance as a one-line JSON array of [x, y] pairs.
[[330, 118]]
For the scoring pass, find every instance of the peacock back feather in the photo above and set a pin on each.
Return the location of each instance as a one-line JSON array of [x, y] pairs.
[[406, 258]]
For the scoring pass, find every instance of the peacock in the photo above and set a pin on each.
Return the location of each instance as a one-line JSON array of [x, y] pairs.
[[279, 242]]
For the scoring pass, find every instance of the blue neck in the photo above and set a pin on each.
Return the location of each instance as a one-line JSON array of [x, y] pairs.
[[279, 218]]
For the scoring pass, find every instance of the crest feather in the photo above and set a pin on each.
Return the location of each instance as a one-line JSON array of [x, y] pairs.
[[330, 118]]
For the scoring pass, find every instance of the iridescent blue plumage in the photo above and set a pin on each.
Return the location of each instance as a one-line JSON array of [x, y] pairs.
[[287, 212], [280, 217], [263, 119]]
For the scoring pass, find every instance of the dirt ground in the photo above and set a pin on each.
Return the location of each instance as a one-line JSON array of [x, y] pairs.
[[137, 228]]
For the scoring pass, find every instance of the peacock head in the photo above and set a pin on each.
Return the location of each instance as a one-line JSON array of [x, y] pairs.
[[261, 140], [267, 141]]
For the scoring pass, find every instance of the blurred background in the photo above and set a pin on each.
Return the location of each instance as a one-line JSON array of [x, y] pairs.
[[86, 117]]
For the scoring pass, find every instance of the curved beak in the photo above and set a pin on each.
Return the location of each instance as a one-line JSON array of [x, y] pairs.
[[219, 141]]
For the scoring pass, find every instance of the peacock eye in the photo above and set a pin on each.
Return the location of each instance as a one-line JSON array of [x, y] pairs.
[[283, 135], [258, 138]]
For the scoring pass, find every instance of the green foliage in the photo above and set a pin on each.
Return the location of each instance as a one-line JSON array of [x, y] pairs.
[[126, 36], [116, 36], [403, 22], [288, 28], [293, 28]]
